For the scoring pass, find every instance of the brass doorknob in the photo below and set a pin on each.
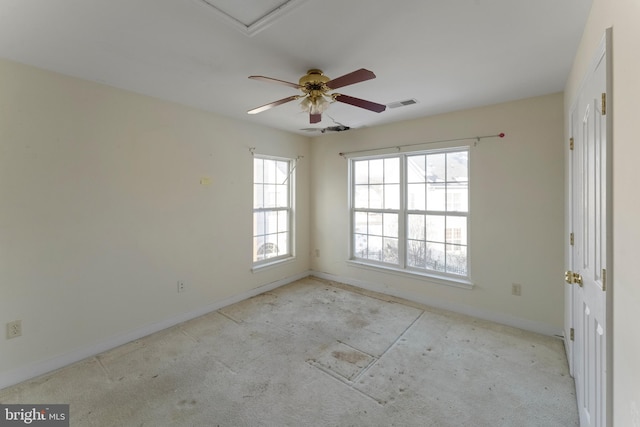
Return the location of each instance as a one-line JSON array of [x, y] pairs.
[[577, 279], [571, 277], [568, 277]]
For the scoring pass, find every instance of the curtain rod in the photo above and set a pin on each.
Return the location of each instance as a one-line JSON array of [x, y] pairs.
[[398, 147]]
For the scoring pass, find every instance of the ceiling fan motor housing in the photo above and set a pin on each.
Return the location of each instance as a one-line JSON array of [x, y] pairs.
[[314, 83]]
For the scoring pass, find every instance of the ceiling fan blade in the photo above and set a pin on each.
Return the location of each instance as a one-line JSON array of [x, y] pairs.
[[269, 79], [273, 104], [357, 102], [315, 118], [351, 78]]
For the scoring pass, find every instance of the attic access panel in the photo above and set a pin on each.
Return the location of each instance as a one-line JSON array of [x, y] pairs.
[[251, 16]]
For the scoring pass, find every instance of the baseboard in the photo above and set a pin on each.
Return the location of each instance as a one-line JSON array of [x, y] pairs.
[[504, 319], [28, 372]]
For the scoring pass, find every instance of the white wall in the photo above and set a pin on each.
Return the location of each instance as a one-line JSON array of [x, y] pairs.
[[102, 212], [516, 210], [623, 16]]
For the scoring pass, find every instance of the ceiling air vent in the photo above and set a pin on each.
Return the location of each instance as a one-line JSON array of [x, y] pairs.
[[402, 103]]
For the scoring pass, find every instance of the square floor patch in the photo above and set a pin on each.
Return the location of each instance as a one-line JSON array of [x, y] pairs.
[[342, 360]]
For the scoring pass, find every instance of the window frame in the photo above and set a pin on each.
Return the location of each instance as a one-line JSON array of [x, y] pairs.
[[289, 209], [402, 266]]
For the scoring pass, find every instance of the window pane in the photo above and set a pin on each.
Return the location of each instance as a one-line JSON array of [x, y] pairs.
[[283, 221], [457, 166], [416, 169], [282, 172], [282, 196], [416, 253], [457, 230], [436, 197], [360, 222], [258, 196], [270, 196], [258, 248], [457, 259], [435, 228], [361, 172], [270, 247], [416, 197], [435, 256], [269, 172], [375, 224], [392, 170], [258, 223], [415, 227], [375, 196], [360, 246], [392, 196], [457, 197], [258, 170], [390, 253], [375, 248], [436, 167], [271, 219], [283, 243], [390, 222], [376, 171], [361, 197]]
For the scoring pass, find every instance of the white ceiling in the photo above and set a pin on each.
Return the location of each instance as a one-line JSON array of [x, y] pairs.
[[447, 54]]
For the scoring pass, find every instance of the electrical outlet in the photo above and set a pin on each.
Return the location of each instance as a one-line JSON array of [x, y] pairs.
[[14, 329], [516, 289], [181, 286]]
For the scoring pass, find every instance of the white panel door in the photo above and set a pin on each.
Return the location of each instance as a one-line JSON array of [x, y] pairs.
[[590, 252]]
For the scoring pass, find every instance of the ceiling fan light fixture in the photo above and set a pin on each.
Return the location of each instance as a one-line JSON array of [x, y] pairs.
[[314, 104]]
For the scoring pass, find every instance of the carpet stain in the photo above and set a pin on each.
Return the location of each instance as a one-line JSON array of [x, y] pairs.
[[350, 357], [357, 322], [185, 403]]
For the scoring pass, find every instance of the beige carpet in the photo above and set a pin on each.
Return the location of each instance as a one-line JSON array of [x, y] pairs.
[[316, 353]]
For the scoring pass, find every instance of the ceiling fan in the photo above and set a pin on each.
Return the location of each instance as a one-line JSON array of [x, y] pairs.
[[316, 97]]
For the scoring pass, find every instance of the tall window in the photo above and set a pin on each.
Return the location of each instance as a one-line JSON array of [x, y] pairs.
[[411, 211], [272, 212]]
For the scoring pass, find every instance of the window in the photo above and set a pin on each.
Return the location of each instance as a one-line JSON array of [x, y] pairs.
[[411, 211], [272, 212]]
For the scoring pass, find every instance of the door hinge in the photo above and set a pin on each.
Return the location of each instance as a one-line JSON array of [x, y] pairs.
[[571, 143], [571, 239], [604, 104], [572, 334], [604, 279]]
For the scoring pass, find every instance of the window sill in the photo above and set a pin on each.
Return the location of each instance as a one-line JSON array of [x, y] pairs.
[[272, 264], [440, 280]]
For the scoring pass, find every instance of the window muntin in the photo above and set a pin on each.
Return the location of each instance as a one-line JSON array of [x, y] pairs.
[[410, 211], [272, 209]]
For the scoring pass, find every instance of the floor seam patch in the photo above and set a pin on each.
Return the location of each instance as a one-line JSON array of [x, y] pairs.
[[365, 370]]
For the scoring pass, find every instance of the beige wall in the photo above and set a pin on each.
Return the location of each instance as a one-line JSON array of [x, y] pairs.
[[103, 212], [516, 210], [623, 16]]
